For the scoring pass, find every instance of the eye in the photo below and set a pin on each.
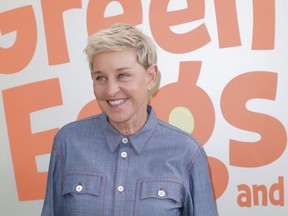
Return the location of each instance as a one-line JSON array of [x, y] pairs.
[[123, 76], [99, 78]]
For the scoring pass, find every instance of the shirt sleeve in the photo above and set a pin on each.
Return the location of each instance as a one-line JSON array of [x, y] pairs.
[[199, 199], [53, 202]]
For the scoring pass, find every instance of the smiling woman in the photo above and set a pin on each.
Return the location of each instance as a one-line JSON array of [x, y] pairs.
[[125, 161]]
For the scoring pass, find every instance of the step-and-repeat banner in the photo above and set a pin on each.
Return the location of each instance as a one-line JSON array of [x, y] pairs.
[[224, 78]]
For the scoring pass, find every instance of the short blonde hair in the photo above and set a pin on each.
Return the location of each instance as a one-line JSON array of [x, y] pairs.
[[119, 37]]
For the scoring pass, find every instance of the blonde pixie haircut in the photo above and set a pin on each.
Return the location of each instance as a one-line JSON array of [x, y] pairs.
[[119, 37]]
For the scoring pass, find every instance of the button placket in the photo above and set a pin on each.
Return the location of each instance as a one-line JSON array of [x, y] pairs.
[[122, 169], [124, 153], [123, 149]]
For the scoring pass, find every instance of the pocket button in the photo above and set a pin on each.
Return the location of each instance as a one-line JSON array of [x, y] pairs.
[[161, 192], [79, 188]]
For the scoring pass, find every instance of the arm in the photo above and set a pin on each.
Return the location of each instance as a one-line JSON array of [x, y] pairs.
[[199, 199], [53, 203]]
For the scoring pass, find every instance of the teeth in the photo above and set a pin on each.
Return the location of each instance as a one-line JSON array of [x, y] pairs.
[[116, 102]]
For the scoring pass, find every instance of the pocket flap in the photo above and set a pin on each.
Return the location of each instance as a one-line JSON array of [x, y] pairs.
[[82, 184], [161, 190]]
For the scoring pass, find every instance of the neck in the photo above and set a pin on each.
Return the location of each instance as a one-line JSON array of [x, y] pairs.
[[128, 128]]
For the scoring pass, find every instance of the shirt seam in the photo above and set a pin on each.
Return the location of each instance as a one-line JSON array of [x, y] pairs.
[[190, 166]]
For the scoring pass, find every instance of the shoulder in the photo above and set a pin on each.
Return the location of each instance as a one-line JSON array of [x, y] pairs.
[[171, 130], [187, 148], [171, 135], [77, 127]]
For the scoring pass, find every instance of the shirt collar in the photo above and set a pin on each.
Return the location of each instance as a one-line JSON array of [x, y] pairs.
[[137, 140]]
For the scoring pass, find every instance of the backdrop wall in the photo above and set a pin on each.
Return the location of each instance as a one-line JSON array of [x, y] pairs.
[[223, 78]]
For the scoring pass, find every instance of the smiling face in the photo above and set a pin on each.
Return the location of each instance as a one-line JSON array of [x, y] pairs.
[[121, 87]]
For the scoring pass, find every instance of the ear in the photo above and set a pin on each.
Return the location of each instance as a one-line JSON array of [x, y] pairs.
[[152, 76]]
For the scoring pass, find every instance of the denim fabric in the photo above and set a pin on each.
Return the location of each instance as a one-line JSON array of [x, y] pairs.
[[95, 170]]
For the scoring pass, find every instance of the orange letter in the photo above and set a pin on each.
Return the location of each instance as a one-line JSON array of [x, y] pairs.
[[263, 24], [161, 22], [244, 199], [227, 23], [22, 22], [257, 190], [131, 12], [54, 28], [19, 102], [279, 188], [183, 94], [233, 104]]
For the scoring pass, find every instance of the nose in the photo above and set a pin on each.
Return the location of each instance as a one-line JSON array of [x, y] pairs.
[[112, 88]]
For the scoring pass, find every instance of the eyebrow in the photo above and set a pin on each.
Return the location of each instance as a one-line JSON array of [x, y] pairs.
[[118, 69], [123, 68], [96, 72]]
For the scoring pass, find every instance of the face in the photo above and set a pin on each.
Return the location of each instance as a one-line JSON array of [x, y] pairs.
[[121, 87]]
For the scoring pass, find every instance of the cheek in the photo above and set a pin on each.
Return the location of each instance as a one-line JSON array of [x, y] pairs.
[[94, 89], [97, 91], [140, 92]]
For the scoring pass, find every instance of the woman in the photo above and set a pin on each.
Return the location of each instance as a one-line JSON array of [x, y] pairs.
[[125, 161]]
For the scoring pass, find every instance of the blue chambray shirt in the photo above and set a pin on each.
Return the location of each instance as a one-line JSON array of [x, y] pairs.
[[95, 170]]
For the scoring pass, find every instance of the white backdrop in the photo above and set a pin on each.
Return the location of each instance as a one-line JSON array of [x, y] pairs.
[[224, 75]]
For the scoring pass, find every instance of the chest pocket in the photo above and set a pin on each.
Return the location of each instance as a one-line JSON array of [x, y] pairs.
[[83, 193], [160, 197]]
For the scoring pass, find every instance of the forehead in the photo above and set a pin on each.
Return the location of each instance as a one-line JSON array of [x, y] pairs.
[[112, 60]]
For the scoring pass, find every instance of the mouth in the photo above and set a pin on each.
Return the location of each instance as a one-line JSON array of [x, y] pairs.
[[116, 102]]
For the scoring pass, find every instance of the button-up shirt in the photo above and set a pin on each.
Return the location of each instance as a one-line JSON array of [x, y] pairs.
[[95, 170]]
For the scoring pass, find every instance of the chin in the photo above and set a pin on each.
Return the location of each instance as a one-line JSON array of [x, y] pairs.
[[117, 119]]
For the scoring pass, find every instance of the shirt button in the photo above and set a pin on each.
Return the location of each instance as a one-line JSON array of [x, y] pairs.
[[124, 155], [79, 188], [120, 188], [161, 193], [125, 140]]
